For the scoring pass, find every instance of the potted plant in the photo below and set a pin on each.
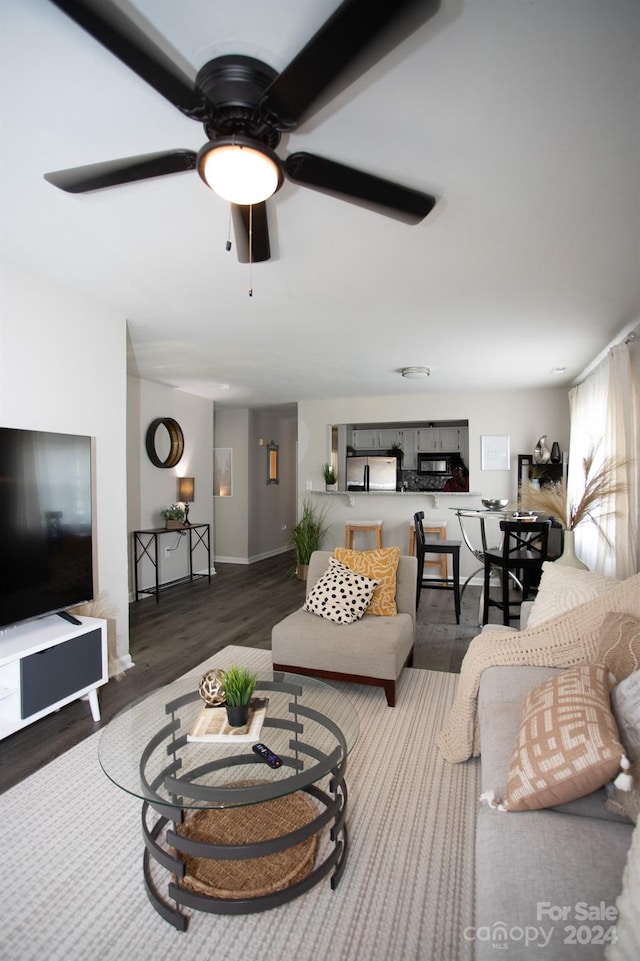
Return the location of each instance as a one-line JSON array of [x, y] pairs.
[[174, 517], [396, 451], [239, 684], [330, 477], [307, 535]]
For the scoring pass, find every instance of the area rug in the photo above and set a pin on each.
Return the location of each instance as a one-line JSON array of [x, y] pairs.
[[72, 846]]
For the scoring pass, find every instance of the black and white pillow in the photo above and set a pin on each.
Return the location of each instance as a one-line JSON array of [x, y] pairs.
[[340, 595]]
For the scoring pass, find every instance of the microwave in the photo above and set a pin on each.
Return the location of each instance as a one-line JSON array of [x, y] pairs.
[[439, 465]]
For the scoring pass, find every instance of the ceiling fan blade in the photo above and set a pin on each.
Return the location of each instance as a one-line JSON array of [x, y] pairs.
[[130, 44], [366, 190], [358, 31], [111, 173], [251, 231]]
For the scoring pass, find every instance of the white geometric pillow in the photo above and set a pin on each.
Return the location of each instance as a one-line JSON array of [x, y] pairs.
[[625, 704], [563, 588], [340, 595]]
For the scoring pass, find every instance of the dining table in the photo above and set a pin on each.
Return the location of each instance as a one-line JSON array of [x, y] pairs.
[[480, 535]]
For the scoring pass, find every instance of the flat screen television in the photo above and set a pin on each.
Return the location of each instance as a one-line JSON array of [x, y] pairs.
[[46, 552]]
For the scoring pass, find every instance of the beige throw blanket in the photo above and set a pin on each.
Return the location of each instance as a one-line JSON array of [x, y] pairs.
[[573, 638]]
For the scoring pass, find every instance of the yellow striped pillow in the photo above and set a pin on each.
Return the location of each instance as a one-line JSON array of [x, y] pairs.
[[380, 565]]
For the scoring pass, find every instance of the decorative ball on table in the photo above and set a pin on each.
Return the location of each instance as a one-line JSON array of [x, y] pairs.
[[211, 688]]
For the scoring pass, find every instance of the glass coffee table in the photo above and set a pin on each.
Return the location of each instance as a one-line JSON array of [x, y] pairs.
[[224, 832]]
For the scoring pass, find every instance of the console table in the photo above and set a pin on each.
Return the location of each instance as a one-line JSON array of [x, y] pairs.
[[145, 544]]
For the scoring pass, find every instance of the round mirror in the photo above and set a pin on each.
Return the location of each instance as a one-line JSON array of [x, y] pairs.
[[164, 442]]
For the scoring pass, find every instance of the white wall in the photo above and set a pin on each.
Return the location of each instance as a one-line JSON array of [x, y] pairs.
[[523, 415], [63, 368], [232, 513], [272, 509], [151, 488], [255, 522]]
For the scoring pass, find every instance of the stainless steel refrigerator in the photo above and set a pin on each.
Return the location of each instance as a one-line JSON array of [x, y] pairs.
[[372, 473]]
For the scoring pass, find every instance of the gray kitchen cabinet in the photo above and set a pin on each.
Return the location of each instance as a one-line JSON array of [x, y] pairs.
[[439, 438], [366, 439], [409, 444], [388, 437]]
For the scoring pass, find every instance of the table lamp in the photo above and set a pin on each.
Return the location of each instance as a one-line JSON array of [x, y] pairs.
[[186, 492]]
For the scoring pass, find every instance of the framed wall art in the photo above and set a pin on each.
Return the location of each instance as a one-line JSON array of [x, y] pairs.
[[495, 452]]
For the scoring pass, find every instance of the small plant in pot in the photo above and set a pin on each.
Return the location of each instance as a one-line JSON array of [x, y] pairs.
[[239, 684], [330, 477], [174, 517]]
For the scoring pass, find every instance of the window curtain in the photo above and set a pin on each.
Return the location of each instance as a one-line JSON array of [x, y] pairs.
[[604, 418]]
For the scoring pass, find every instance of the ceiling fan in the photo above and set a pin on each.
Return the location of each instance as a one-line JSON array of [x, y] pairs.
[[245, 106]]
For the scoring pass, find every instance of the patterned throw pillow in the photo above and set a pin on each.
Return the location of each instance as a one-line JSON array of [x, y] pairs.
[[381, 564], [340, 595], [563, 588], [568, 743], [619, 647]]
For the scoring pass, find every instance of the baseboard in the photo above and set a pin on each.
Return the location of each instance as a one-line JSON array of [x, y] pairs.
[[118, 665], [223, 559]]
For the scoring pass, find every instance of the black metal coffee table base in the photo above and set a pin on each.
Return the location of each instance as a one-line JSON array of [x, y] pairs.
[[303, 769], [162, 836]]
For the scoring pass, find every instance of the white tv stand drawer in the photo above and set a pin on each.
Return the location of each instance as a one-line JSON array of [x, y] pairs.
[[48, 663]]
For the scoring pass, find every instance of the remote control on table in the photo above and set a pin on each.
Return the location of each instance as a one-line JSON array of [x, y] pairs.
[[267, 756]]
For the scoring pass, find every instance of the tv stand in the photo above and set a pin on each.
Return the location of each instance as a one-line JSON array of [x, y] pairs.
[[66, 616], [48, 663]]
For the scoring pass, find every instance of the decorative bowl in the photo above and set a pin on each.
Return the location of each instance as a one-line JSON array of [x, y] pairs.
[[491, 504]]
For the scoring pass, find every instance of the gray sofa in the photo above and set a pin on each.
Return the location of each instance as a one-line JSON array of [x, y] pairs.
[[546, 881], [306, 643]]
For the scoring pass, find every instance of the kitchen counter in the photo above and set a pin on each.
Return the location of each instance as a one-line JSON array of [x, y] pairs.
[[435, 494], [396, 509]]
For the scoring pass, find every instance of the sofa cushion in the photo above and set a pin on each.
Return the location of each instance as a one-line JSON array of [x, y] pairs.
[[372, 646], [563, 588], [568, 743], [380, 565], [340, 595], [626, 946], [625, 704], [620, 644], [537, 874], [502, 691]]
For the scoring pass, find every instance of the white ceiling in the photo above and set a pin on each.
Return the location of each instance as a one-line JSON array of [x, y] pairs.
[[521, 116]]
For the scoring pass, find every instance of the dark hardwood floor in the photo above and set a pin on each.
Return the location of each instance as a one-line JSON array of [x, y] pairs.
[[194, 621]]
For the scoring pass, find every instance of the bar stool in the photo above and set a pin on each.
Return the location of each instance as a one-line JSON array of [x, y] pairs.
[[356, 526], [439, 528], [424, 547]]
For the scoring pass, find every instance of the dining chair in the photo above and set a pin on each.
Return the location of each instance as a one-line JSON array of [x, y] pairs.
[[519, 559]]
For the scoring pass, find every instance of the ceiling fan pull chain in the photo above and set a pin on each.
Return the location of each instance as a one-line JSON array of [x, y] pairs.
[[228, 244], [250, 250]]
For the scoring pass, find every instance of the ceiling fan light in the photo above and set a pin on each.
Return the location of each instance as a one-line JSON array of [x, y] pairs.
[[415, 373], [241, 172]]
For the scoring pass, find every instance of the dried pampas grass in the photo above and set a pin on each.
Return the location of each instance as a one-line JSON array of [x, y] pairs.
[[101, 607], [600, 484]]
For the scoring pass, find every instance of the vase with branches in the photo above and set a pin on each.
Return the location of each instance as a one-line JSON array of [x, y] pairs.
[[601, 483]]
